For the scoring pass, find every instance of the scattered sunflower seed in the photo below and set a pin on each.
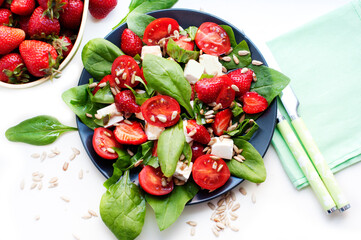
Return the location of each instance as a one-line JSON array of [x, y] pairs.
[[72, 157], [22, 184], [215, 232], [86, 216], [65, 199], [37, 217], [43, 156], [40, 186], [243, 52], [93, 85], [257, 63], [35, 155], [244, 70], [33, 185], [243, 191], [192, 223], [226, 59], [234, 228], [137, 163], [92, 213], [211, 205], [235, 207], [235, 59], [65, 166], [88, 115], [193, 231], [253, 198], [81, 174], [75, 150], [51, 155]]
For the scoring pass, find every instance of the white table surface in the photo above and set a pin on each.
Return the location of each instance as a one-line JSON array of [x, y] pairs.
[[280, 211]]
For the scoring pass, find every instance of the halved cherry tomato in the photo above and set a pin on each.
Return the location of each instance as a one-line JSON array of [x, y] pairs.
[[161, 111], [133, 134], [210, 174], [183, 43], [123, 69], [212, 39], [150, 179], [102, 140], [107, 78], [158, 29]]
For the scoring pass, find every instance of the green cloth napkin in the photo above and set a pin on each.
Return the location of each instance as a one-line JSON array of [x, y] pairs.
[[323, 60]]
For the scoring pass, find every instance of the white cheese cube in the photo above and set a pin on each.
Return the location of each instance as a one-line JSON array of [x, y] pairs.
[[153, 132], [154, 50], [139, 116], [188, 138], [223, 149], [109, 110], [193, 71], [183, 171], [211, 64]]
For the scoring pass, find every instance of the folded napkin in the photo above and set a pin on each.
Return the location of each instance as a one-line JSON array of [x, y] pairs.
[[323, 60]]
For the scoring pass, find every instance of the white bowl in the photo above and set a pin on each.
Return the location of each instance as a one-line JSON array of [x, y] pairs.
[[64, 62]]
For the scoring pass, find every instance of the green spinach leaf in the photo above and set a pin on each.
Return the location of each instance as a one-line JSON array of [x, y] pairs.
[[230, 34], [40, 130], [137, 22], [166, 77], [243, 60], [236, 110], [198, 105], [191, 31], [103, 95], [245, 129], [122, 164], [180, 54], [122, 209], [168, 208], [252, 169], [187, 152], [170, 147], [98, 56]]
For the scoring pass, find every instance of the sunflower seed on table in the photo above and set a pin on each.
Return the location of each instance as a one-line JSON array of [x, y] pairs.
[[51, 155], [81, 174], [235, 207], [40, 185], [36, 179], [220, 202], [253, 198], [192, 223], [86, 216], [65, 199], [93, 213], [193, 231], [234, 228], [43, 156], [75, 150], [33, 185], [215, 232], [55, 151], [35, 155], [65, 166], [72, 157], [22, 184], [243, 191], [53, 185], [211, 205], [233, 196], [53, 180]]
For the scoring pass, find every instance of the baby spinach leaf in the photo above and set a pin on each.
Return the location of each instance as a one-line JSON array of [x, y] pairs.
[[103, 95], [122, 209], [98, 56], [230, 34], [168, 154], [187, 152], [197, 107], [137, 22], [148, 158], [166, 77], [40, 130], [245, 130], [252, 169], [243, 60], [79, 101], [270, 82], [191, 31], [168, 208], [180, 54], [236, 110], [121, 165]]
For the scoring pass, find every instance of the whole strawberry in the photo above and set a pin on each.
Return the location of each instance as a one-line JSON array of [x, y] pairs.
[[52, 8], [125, 102], [22, 7], [131, 44], [24, 23], [1, 2], [242, 78], [40, 26], [6, 17], [99, 9], [208, 89], [40, 58], [63, 45], [10, 38], [12, 69], [71, 16]]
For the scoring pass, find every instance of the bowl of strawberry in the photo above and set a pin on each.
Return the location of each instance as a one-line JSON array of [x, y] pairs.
[[38, 39], [176, 110]]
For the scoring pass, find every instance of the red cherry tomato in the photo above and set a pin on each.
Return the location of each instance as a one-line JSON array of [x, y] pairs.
[[206, 172], [183, 43], [123, 69], [150, 179], [161, 111], [107, 78], [102, 140], [212, 39], [158, 29]]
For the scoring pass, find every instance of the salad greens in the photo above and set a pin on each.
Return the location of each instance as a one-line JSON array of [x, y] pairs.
[[191, 31], [40, 130], [244, 61], [179, 54]]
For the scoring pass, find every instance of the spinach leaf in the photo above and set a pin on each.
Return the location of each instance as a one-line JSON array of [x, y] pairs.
[[187, 152], [247, 127], [40, 130], [270, 82], [137, 22], [198, 105], [170, 147], [148, 158], [103, 95], [168, 208], [122, 209], [252, 169], [166, 77], [79, 101], [230, 34], [180, 54], [98, 56], [236, 110], [243, 60], [191, 31], [122, 163]]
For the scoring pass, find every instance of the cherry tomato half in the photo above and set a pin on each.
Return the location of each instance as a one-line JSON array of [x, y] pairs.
[[123, 69], [150, 179], [158, 29], [102, 140], [210, 174], [212, 39], [161, 111]]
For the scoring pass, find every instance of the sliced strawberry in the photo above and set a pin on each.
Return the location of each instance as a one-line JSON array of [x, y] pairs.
[[226, 95], [221, 121], [125, 102], [201, 134], [132, 134], [242, 80], [131, 44], [254, 103], [108, 78], [208, 89], [197, 150]]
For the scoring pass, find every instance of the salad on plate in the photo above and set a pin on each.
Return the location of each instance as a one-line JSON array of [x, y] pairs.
[[178, 107]]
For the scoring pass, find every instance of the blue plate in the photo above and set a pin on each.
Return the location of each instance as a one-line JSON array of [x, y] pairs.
[[186, 18]]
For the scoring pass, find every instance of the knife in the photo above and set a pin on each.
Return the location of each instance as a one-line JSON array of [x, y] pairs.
[[291, 103]]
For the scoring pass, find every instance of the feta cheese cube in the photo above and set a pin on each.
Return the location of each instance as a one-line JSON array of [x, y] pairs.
[[153, 132], [188, 138], [114, 115], [211, 64], [183, 171], [223, 149], [154, 50], [193, 71]]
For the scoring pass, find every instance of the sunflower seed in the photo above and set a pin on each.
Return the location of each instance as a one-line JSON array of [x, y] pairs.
[[209, 116], [22, 184], [43, 156], [257, 63], [174, 115], [169, 28], [229, 51], [76, 237], [98, 116], [213, 141], [215, 232], [51, 155], [205, 149], [35, 155], [226, 59], [107, 134], [111, 150], [33, 185], [253, 198], [130, 152], [214, 166], [152, 118], [254, 77], [221, 138], [235, 207], [55, 151], [114, 92], [232, 127], [233, 215], [214, 157], [162, 118], [235, 59], [209, 120], [126, 121], [124, 76], [220, 202], [220, 225], [192, 133], [65, 199], [233, 196], [81, 174], [243, 191], [221, 209], [193, 231], [230, 204], [234, 228], [209, 151], [235, 88], [211, 205], [72, 157], [37, 218], [192, 223], [93, 85], [93, 213], [40, 185], [132, 80], [243, 52], [164, 182], [217, 107], [119, 72], [103, 84], [36, 179], [238, 158], [224, 69], [86, 216], [65, 166], [220, 168], [137, 163], [244, 70], [53, 180]]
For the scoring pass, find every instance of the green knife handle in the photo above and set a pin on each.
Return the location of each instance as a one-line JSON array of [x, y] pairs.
[[320, 164], [305, 163]]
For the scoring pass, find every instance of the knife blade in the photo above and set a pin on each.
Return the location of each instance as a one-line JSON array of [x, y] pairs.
[[291, 103]]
